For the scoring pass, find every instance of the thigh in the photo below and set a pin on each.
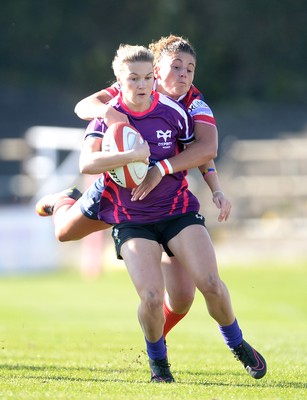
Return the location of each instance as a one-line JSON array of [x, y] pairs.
[[75, 225], [174, 225], [193, 247], [142, 258]]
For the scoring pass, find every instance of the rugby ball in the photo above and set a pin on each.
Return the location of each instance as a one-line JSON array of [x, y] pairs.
[[122, 136]]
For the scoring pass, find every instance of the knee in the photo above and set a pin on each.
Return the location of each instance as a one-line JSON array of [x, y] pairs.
[[182, 302], [188, 295], [62, 235], [153, 301], [211, 287]]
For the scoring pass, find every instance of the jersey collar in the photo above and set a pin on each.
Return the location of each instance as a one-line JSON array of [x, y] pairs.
[[155, 99]]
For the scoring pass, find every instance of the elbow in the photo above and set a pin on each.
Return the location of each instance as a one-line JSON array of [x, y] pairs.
[[212, 151], [83, 168], [213, 154], [80, 111], [207, 151], [77, 110], [209, 155], [88, 169]]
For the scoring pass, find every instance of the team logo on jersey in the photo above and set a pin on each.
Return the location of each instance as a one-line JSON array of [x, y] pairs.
[[197, 103], [165, 135], [201, 107]]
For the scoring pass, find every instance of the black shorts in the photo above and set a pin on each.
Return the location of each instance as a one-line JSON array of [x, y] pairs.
[[161, 232]]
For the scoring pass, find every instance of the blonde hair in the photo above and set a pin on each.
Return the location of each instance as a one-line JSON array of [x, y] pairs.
[[127, 53], [171, 44]]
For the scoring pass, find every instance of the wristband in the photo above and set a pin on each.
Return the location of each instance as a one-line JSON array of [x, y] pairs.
[[165, 167], [208, 171], [216, 192]]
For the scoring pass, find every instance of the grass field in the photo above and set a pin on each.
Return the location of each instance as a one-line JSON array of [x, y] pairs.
[[66, 338]]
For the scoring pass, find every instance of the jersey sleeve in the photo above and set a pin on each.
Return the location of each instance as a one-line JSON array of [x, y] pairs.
[[194, 102], [95, 128], [113, 90], [201, 112]]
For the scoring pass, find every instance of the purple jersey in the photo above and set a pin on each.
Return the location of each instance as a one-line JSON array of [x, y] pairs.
[[167, 127]]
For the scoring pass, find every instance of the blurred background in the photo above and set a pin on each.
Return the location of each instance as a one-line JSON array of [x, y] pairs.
[[251, 68]]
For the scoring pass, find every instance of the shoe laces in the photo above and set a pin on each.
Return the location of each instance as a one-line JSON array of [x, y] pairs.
[[160, 368], [242, 353], [162, 364]]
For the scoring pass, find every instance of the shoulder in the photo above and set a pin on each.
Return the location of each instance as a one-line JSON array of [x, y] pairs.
[[196, 93], [193, 99], [192, 95], [115, 100], [113, 90], [172, 104], [197, 107]]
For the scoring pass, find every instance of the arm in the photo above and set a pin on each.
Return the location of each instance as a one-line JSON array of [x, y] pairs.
[[210, 175], [93, 161], [200, 152], [94, 106], [203, 150], [206, 144]]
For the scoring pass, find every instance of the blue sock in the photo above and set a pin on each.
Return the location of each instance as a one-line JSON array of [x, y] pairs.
[[157, 350], [232, 334]]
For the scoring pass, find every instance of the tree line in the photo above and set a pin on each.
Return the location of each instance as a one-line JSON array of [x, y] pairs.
[[246, 49]]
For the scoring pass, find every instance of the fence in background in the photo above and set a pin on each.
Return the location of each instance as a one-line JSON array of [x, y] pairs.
[[265, 180], [45, 161]]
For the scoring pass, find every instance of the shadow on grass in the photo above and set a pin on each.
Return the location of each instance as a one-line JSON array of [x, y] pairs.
[[58, 373]]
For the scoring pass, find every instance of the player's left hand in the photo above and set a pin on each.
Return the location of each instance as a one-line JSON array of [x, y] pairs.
[[153, 178], [221, 201]]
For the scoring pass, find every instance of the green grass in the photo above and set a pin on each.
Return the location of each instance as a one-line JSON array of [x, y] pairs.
[[62, 337]]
